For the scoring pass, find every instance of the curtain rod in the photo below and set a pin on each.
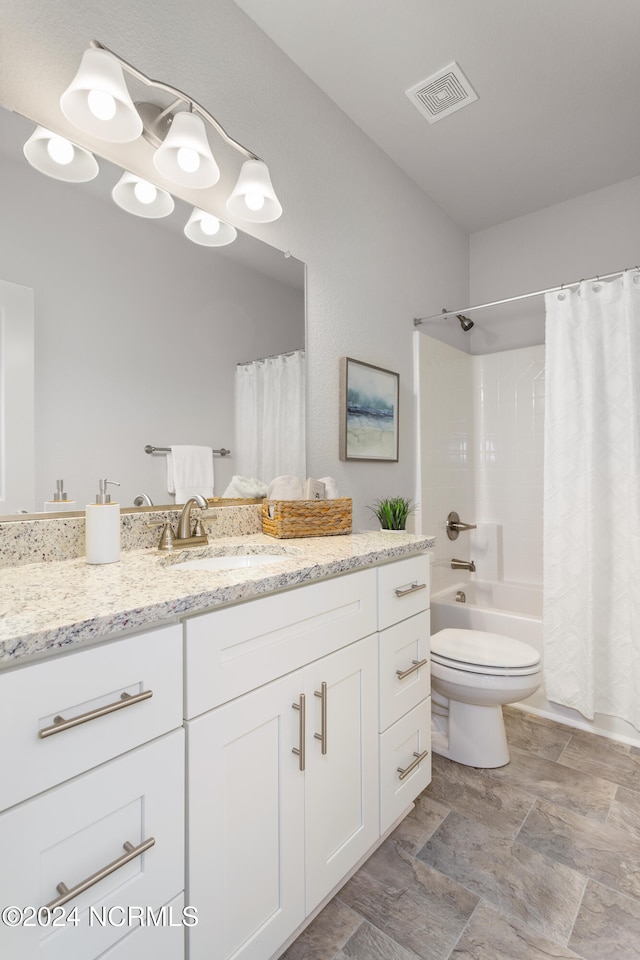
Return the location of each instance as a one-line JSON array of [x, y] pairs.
[[272, 356], [523, 296]]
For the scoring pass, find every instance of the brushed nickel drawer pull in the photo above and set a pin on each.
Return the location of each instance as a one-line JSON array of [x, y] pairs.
[[419, 757], [126, 700], [322, 736], [300, 751], [401, 674], [67, 893], [415, 586]]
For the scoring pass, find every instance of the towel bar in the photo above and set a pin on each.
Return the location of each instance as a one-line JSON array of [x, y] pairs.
[[222, 452]]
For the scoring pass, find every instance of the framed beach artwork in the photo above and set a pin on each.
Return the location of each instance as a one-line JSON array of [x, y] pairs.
[[368, 412]]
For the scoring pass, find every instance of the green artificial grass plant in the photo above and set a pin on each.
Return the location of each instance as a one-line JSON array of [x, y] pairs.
[[392, 512]]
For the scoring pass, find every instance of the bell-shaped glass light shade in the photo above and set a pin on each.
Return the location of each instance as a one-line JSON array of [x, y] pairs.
[[142, 198], [207, 230], [184, 157], [58, 157], [98, 102], [253, 197]]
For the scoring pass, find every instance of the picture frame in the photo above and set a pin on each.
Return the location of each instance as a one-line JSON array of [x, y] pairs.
[[369, 408]]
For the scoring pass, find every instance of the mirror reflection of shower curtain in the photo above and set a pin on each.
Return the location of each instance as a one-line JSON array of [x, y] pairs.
[[270, 417], [591, 613]]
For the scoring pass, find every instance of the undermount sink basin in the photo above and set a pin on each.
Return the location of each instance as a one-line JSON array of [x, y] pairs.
[[231, 563]]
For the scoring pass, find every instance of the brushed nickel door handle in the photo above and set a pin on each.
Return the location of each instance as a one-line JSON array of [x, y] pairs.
[[126, 700], [67, 893], [419, 757], [415, 586], [300, 749], [322, 736], [401, 674]]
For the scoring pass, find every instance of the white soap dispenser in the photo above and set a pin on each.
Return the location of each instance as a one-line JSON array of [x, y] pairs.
[[59, 501], [102, 527]]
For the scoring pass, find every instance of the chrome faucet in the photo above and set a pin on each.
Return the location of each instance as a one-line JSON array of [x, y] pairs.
[[463, 565], [186, 535]]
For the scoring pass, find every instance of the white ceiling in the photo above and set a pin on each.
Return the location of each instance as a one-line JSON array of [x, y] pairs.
[[558, 82]]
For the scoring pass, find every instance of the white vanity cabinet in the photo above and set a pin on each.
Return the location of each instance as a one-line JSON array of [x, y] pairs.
[[282, 736], [93, 797], [282, 780]]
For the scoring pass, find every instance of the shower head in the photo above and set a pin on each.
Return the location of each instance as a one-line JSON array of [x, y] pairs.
[[465, 323]]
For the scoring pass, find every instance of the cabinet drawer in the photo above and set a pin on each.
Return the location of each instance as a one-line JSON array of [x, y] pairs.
[[83, 683], [403, 683], [163, 942], [236, 649], [75, 830], [403, 589], [401, 746]]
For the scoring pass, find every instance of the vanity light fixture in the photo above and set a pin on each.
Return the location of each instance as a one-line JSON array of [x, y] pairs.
[[209, 231], [253, 197], [184, 157], [98, 102], [58, 157], [141, 198]]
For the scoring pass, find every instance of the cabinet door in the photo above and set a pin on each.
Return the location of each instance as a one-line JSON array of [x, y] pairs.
[[78, 835], [341, 784], [245, 831]]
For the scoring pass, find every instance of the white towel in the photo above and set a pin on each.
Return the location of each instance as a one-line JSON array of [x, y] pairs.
[[330, 488], [190, 471], [246, 487], [285, 487]]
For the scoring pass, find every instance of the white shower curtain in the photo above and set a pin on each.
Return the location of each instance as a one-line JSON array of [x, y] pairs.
[[591, 613], [270, 417]]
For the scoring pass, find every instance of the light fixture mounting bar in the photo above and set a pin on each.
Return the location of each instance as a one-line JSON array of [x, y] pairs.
[[179, 97]]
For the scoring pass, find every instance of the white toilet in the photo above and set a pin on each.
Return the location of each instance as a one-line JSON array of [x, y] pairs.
[[472, 675]]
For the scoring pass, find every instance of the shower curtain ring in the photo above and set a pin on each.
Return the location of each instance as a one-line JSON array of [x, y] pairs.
[[597, 287], [561, 294]]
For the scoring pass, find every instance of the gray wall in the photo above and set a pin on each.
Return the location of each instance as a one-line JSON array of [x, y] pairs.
[[378, 251]]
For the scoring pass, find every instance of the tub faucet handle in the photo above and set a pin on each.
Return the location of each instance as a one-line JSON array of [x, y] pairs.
[[455, 525]]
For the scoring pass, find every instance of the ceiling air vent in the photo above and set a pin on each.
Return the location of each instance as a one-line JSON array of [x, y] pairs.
[[443, 93]]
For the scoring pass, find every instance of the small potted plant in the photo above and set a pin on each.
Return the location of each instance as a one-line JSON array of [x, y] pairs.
[[392, 512]]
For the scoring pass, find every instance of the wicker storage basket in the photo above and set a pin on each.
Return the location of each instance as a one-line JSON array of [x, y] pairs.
[[306, 518]]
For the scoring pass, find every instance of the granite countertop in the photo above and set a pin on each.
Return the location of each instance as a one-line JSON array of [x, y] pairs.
[[49, 607]]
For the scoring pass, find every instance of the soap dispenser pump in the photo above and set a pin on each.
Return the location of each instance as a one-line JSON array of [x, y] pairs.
[[102, 527]]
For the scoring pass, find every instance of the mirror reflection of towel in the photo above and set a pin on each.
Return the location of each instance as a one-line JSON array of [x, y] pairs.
[[189, 471], [285, 487]]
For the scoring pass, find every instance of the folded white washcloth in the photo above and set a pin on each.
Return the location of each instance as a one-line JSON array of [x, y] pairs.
[[189, 471], [249, 488], [285, 487], [330, 488]]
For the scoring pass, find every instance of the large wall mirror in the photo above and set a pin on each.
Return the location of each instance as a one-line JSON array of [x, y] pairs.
[[138, 331]]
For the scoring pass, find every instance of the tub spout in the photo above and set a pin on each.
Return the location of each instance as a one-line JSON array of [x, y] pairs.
[[463, 565]]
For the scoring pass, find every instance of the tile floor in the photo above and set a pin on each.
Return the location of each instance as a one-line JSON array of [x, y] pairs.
[[537, 859]]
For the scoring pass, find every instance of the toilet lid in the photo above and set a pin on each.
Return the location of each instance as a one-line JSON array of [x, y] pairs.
[[483, 649]]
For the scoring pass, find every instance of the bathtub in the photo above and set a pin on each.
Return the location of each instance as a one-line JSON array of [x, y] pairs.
[[515, 610], [512, 609]]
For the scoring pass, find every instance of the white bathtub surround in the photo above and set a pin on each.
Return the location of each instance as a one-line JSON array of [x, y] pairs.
[[592, 499], [481, 441], [487, 550]]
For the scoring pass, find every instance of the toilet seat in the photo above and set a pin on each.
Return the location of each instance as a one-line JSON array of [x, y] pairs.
[[474, 651]]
